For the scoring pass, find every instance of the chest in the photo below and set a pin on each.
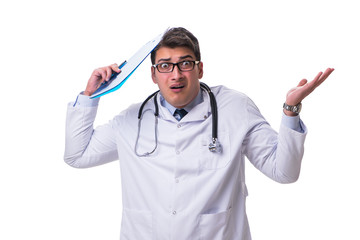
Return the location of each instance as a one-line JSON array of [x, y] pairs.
[[177, 148]]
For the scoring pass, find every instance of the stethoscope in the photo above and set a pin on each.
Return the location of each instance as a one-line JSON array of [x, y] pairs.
[[214, 146]]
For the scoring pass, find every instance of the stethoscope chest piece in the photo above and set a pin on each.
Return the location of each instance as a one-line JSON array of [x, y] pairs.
[[215, 146]]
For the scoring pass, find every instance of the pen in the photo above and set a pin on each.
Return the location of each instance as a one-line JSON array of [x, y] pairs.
[[123, 64]]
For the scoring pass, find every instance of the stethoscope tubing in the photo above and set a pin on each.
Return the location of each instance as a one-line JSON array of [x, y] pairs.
[[214, 146], [214, 112]]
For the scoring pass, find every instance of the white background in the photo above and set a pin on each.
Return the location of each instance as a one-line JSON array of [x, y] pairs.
[[262, 48]]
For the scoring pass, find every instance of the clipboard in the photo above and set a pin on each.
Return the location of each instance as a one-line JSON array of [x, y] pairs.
[[127, 68]]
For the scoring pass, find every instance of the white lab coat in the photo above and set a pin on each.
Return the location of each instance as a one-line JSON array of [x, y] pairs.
[[183, 191]]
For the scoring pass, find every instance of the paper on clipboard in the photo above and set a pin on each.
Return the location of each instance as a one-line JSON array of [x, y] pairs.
[[127, 68]]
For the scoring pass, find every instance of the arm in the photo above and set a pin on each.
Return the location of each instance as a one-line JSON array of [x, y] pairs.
[[84, 146], [279, 156]]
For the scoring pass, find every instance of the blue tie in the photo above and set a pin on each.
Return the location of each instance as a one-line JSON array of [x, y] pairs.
[[179, 114]]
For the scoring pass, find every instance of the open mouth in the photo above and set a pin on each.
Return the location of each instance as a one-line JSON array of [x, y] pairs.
[[177, 87]]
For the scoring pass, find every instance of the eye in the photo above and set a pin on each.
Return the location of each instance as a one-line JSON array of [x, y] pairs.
[[164, 65], [185, 63]]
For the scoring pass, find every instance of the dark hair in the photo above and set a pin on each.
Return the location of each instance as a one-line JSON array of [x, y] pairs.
[[178, 37]]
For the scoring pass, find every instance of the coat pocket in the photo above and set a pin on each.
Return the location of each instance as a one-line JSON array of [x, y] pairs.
[[212, 226], [136, 224], [215, 160]]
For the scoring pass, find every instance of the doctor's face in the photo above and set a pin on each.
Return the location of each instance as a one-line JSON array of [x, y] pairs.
[[178, 87]]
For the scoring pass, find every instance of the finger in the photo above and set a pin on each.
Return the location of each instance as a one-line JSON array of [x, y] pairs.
[[324, 76], [318, 76], [115, 68], [316, 81], [302, 82], [109, 72], [319, 79], [100, 74], [327, 73]]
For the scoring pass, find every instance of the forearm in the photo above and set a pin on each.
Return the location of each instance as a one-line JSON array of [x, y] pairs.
[[278, 156], [84, 146], [289, 154]]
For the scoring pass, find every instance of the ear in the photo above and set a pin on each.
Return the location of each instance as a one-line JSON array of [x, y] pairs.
[[201, 70], [153, 75]]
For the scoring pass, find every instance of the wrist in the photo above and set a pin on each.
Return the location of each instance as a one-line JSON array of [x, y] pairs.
[[292, 110], [87, 93], [289, 113]]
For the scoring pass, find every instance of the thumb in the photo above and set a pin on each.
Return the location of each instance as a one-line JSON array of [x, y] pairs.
[[302, 82]]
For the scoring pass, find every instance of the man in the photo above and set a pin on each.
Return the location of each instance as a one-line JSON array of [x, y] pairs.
[[179, 189]]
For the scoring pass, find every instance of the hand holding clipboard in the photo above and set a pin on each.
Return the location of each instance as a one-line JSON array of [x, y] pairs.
[[118, 78]]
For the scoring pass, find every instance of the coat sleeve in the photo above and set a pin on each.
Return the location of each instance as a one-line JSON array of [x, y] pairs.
[[277, 155], [85, 146]]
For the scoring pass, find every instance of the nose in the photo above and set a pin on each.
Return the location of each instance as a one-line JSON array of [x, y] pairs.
[[176, 73]]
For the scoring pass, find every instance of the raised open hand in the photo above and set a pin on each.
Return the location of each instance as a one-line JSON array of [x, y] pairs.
[[304, 88]]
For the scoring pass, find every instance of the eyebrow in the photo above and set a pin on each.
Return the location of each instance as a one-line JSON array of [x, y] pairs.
[[164, 59], [168, 59], [186, 56]]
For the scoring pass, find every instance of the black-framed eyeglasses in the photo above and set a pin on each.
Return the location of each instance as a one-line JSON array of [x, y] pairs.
[[184, 66]]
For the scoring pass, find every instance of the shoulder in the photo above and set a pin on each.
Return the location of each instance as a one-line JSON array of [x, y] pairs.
[[235, 103], [226, 96], [130, 113]]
